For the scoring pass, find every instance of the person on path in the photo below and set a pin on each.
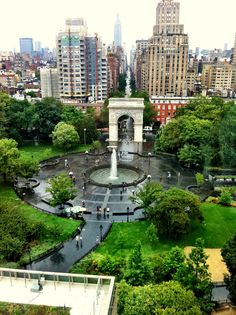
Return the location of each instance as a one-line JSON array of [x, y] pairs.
[[66, 163]]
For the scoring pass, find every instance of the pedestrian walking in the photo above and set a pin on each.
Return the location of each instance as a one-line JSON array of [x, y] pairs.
[[66, 163], [108, 212], [77, 240], [81, 243], [71, 174], [121, 195], [83, 203], [73, 179], [97, 240], [133, 191]]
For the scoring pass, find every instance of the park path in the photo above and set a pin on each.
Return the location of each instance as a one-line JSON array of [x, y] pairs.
[[72, 251]]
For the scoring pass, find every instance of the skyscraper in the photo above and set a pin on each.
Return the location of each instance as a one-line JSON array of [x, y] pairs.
[[117, 33], [26, 45], [167, 52]]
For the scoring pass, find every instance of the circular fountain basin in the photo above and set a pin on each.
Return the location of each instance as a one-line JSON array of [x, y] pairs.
[[100, 176]]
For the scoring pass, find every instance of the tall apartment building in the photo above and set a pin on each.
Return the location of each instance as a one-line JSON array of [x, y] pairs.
[[234, 66], [217, 77], [81, 64], [117, 33], [167, 53], [26, 45], [71, 63], [49, 82]]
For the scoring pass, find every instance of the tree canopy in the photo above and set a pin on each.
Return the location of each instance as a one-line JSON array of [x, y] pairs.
[[229, 255], [167, 298], [65, 136], [201, 133]]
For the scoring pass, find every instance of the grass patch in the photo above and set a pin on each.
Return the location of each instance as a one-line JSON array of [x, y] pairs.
[[46, 151], [65, 227], [24, 309], [218, 227]]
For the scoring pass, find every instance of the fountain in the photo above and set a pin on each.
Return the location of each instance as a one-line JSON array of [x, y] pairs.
[[113, 172], [114, 175]]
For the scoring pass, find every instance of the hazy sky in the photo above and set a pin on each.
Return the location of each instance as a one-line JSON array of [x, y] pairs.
[[209, 23]]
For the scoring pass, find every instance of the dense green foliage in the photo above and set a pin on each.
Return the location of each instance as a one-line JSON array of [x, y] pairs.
[[229, 255], [194, 275], [171, 211], [201, 133], [9, 157], [23, 227], [22, 120], [167, 298], [12, 164], [62, 189], [65, 136], [138, 271]]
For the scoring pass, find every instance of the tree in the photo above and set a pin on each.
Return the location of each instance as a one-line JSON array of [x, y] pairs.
[[225, 197], [21, 116], [5, 101], [147, 195], [173, 210], [47, 114], [199, 179], [9, 158], [194, 275], [151, 233], [228, 253], [227, 138], [62, 189], [27, 168], [167, 298], [65, 136], [138, 270], [96, 145]]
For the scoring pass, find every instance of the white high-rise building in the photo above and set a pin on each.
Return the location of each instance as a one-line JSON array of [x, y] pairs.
[[117, 33], [71, 60], [49, 82]]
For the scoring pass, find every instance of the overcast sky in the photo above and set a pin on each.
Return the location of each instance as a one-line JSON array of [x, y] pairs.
[[209, 23]]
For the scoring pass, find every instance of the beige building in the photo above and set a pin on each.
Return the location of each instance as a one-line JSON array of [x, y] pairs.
[[167, 53], [217, 77], [49, 82]]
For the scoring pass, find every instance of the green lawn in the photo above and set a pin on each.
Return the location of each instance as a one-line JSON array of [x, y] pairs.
[[46, 151], [65, 226], [219, 226]]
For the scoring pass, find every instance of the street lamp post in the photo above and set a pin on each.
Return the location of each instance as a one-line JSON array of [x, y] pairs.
[[85, 136], [101, 227], [127, 214]]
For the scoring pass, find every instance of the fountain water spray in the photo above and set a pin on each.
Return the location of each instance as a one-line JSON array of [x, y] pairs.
[[113, 172]]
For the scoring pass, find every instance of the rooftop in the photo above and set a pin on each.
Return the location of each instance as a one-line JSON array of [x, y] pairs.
[[84, 294]]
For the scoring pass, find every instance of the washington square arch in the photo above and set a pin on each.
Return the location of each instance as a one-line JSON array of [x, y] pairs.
[[126, 113]]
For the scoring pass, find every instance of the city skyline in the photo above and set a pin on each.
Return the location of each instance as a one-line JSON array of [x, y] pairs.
[[208, 24]]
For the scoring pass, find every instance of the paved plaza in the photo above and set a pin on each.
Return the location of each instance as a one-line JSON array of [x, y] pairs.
[[116, 201]]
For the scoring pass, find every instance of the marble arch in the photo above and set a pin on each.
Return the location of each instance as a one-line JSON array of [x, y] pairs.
[[132, 107]]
